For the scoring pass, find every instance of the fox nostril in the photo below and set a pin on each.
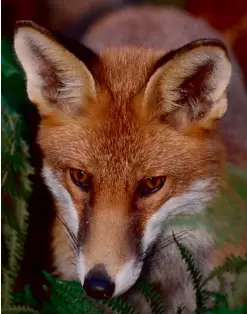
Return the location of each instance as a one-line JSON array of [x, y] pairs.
[[98, 284]]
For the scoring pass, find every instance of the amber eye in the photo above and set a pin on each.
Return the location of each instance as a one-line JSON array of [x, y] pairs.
[[150, 185], [81, 179]]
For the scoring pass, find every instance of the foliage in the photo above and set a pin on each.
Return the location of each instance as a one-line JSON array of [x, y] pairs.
[[153, 298], [234, 265], [196, 276], [16, 188]]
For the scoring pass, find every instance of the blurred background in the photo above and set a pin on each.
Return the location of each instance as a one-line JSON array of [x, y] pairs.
[[229, 17]]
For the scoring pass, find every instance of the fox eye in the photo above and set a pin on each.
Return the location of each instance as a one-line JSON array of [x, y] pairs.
[[81, 179], [150, 185]]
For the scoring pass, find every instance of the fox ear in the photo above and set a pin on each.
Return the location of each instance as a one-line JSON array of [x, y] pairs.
[[190, 84], [56, 79]]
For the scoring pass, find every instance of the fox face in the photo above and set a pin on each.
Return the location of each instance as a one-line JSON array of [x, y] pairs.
[[129, 140]]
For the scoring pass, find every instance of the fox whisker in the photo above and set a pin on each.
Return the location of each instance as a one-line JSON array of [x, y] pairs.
[[71, 237]]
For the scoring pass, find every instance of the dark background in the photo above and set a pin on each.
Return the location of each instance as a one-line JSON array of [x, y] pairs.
[[227, 16]]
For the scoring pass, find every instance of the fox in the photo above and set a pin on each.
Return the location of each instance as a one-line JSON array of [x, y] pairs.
[[130, 138]]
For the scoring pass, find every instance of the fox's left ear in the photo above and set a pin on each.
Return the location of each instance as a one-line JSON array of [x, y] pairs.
[[56, 78], [190, 84]]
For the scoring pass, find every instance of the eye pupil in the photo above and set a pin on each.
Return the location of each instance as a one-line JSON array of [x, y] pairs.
[[152, 182], [80, 175], [151, 185]]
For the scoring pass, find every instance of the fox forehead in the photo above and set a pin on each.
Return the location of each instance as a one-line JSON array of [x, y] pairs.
[[126, 70], [119, 143]]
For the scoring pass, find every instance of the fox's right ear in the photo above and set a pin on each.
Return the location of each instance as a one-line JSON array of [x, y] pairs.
[[56, 79]]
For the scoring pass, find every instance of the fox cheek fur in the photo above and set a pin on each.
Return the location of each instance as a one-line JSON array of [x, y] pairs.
[[131, 114]]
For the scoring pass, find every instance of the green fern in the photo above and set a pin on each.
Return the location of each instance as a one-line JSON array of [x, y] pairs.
[[16, 188], [239, 289], [152, 297], [67, 297], [222, 306], [196, 277], [118, 305], [232, 264], [72, 295]]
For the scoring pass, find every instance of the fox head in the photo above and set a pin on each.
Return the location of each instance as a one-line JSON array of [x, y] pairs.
[[129, 138]]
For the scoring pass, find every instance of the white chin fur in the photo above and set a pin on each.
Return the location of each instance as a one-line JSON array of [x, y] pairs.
[[127, 277], [80, 266]]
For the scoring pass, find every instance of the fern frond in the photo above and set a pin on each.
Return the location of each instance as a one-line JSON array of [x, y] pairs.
[[195, 275], [232, 264], [221, 299], [118, 305], [239, 289], [72, 294], [16, 188], [152, 297], [7, 288]]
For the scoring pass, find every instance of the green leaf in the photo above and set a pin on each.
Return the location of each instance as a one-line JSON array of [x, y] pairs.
[[232, 264], [238, 295], [195, 275], [16, 186], [13, 80], [152, 297]]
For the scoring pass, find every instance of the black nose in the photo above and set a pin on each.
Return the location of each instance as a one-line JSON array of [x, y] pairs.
[[98, 284]]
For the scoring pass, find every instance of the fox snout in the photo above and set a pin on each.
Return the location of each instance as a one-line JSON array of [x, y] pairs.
[[99, 284], [108, 262]]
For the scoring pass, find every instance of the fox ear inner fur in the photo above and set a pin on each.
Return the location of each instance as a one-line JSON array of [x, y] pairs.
[[56, 79], [190, 84]]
